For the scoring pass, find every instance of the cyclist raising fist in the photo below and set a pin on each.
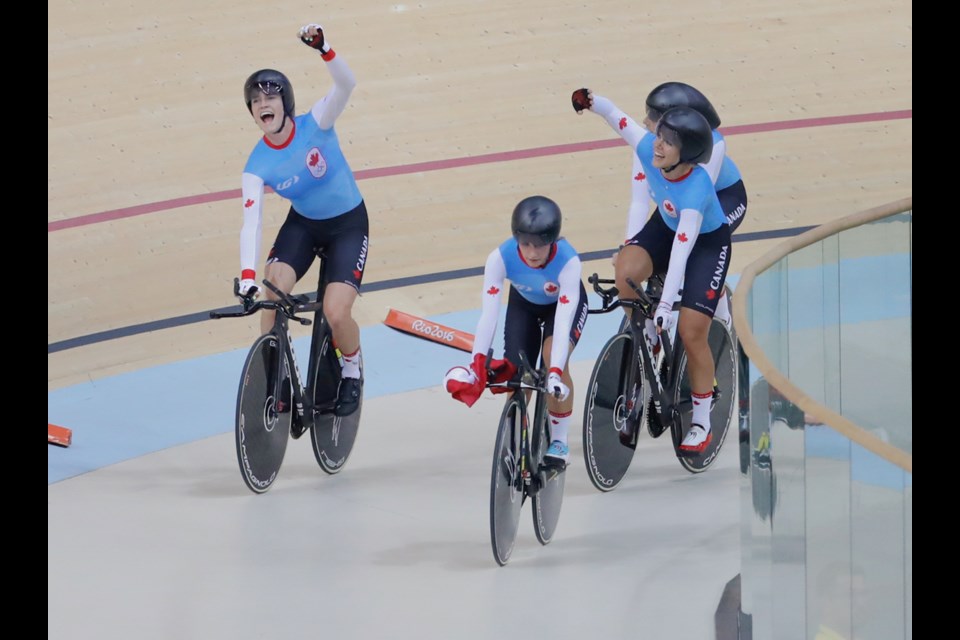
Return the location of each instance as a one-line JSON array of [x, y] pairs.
[[300, 158]]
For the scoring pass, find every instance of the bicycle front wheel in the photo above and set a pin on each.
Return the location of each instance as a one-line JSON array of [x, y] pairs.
[[332, 436], [506, 480], [725, 398], [550, 480], [261, 431], [606, 408]]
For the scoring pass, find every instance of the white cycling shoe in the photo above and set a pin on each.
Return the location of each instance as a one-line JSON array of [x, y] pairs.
[[696, 440]]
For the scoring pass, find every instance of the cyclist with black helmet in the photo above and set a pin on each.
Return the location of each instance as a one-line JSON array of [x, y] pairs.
[[300, 159], [689, 241], [546, 289], [724, 172]]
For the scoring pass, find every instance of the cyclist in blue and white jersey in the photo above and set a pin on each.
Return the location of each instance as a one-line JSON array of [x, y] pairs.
[[724, 172], [689, 241], [300, 158], [546, 290]]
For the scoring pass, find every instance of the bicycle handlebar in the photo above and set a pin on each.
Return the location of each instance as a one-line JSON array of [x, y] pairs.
[[611, 300], [287, 304], [526, 370]]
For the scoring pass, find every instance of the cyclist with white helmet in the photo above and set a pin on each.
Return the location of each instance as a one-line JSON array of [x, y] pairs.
[[300, 159], [689, 241], [546, 290]]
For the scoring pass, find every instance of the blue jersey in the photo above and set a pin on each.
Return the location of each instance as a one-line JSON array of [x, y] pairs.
[[729, 172], [539, 286], [310, 171], [693, 191]]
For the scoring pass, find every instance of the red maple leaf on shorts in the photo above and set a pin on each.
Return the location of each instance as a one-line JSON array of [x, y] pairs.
[[493, 291]]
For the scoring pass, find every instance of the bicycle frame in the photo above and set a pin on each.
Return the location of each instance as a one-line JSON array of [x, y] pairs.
[[530, 380], [661, 382]]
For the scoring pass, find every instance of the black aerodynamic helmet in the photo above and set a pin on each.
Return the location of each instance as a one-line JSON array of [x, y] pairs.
[[269, 82], [686, 128], [536, 219], [679, 94]]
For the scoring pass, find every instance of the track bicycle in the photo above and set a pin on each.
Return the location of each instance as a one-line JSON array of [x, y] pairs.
[[519, 469], [627, 390], [274, 402]]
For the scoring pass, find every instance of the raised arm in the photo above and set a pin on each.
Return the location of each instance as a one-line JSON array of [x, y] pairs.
[[622, 124], [328, 108]]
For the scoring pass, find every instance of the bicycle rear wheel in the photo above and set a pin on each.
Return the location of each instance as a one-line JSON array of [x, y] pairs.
[[506, 481], [550, 480], [261, 432], [606, 407], [332, 436], [725, 399]]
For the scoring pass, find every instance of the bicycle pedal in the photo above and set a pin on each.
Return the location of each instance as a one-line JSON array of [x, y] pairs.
[[297, 430], [553, 465]]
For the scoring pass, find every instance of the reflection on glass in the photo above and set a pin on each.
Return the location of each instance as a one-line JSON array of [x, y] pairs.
[[827, 524]]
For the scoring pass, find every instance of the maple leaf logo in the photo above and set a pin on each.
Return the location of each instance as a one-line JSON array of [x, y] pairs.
[[711, 294], [682, 237], [577, 333], [668, 206], [248, 204], [493, 291], [564, 300], [550, 288], [313, 159], [357, 273], [640, 176], [622, 123], [554, 421]]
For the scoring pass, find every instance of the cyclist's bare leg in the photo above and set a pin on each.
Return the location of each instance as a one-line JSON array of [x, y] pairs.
[[694, 329], [338, 299], [284, 278], [635, 263]]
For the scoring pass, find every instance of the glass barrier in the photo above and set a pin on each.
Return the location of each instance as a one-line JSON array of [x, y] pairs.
[[827, 508]]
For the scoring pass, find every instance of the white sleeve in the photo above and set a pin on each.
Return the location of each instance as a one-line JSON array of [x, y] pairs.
[[252, 198], [624, 126], [494, 273], [329, 107], [716, 160], [688, 230], [639, 210], [567, 305]]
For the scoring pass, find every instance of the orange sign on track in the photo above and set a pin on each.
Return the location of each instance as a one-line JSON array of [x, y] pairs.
[[60, 436], [429, 330]]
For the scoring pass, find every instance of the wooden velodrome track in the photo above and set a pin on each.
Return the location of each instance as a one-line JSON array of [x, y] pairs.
[[462, 108]]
